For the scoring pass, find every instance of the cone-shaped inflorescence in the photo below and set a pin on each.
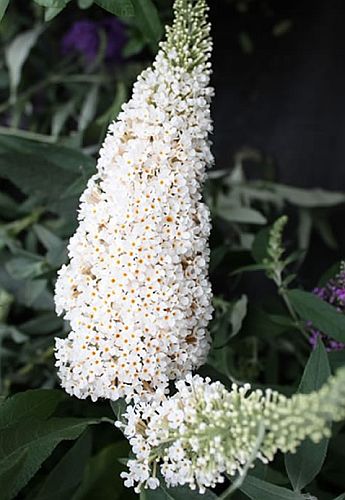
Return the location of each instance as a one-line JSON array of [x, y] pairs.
[[136, 289], [205, 431]]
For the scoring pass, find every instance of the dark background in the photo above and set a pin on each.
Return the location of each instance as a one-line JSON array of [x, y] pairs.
[[286, 96]]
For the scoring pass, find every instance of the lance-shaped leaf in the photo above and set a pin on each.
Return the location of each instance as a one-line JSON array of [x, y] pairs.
[[323, 316], [39, 438], [63, 480], [256, 489], [307, 462], [39, 403]]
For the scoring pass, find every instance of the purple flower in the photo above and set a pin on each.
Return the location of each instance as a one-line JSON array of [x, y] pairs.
[[84, 37], [116, 37], [333, 293]]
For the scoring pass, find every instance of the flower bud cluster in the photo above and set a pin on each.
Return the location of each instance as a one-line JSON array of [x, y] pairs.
[[136, 291], [205, 431]]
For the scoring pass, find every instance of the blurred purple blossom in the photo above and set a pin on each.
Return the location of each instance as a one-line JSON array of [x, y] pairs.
[[333, 293], [116, 37], [84, 37]]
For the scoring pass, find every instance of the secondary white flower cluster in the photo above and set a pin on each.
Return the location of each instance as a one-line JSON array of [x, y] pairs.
[[136, 290], [205, 431]]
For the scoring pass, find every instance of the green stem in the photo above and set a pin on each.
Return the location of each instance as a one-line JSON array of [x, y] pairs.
[[53, 79], [283, 293], [81, 79], [39, 360], [18, 226], [25, 134], [22, 97], [107, 420], [65, 66], [292, 312]]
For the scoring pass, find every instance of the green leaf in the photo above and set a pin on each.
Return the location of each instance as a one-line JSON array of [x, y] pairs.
[[238, 313], [123, 8], [64, 479], [250, 268], [340, 497], [17, 53], [3, 7], [30, 291], [293, 257], [88, 108], [12, 332], [266, 473], [134, 46], [46, 237], [240, 215], [336, 359], [7, 205], [26, 267], [52, 3], [8, 476], [6, 300], [148, 21], [60, 117], [36, 175], [309, 198], [304, 229], [111, 113], [325, 230], [39, 438], [75, 189], [53, 7], [40, 403], [285, 321], [229, 323], [317, 370], [304, 465], [84, 4], [323, 316], [119, 407], [261, 490], [331, 272], [217, 256], [42, 324], [259, 248], [62, 157], [258, 322], [102, 475], [52, 12], [56, 247]]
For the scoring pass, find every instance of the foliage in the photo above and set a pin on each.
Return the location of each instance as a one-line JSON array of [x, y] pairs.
[[52, 124]]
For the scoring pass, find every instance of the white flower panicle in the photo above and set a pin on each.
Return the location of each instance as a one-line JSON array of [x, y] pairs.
[[205, 431], [136, 291]]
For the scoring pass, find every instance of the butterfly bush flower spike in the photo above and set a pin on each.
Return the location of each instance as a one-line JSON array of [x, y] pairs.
[[205, 431], [136, 291], [333, 293]]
